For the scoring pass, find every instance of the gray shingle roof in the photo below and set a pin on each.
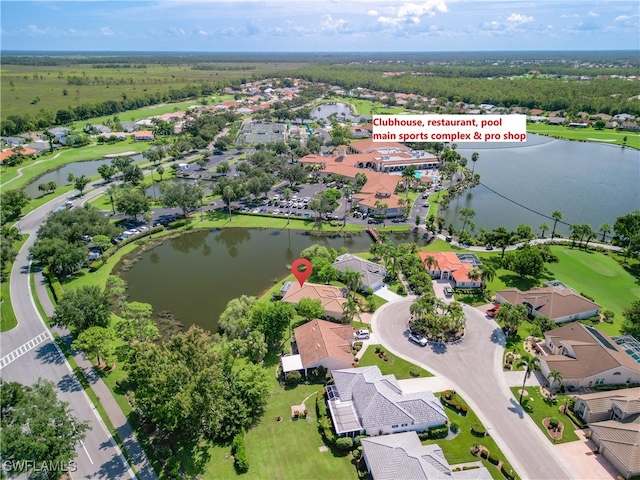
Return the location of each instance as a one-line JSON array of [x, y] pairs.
[[379, 400], [402, 456], [370, 272]]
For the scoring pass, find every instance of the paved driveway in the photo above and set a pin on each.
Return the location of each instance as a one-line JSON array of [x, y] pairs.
[[387, 294], [474, 369]]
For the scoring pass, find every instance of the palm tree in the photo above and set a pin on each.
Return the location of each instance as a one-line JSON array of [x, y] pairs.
[[466, 215], [112, 191], [160, 171], [531, 364], [430, 262], [557, 215], [408, 174], [351, 308], [588, 233], [605, 229], [352, 279], [576, 232], [553, 377], [544, 227], [474, 159], [487, 273], [474, 274], [287, 193]]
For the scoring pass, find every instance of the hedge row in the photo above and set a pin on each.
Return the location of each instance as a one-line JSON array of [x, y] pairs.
[[449, 399], [110, 251], [478, 430], [54, 283], [433, 433], [239, 453], [574, 418]]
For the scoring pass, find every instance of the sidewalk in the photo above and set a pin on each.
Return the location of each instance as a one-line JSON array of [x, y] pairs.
[[137, 457]]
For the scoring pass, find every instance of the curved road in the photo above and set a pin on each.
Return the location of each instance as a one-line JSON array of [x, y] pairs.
[[474, 368], [29, 353]]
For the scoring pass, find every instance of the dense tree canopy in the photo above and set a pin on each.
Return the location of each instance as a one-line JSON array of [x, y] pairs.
[[80, 309], [37, 427]]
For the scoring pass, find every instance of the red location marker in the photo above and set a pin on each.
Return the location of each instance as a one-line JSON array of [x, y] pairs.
[[301, 275]]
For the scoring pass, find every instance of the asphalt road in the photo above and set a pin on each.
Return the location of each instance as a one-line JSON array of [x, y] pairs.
[[474, 366], [29, 353]]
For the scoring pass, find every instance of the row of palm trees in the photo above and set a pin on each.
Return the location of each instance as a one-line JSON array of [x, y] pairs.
[[436, 318]]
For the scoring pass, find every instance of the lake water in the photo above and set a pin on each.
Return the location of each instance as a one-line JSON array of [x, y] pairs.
[[195, 275], [588, 182], [342, 110], [60, 175]]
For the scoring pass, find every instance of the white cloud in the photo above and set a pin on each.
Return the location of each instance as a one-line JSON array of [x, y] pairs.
[[592, 14], [34, 29], [566, 15], [519, 19], [372, 13], [106, 31], [328, 24], [412, 13], [622, 18]]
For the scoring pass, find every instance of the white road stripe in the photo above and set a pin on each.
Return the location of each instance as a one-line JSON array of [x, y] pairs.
[[85, 451], [24, 348]]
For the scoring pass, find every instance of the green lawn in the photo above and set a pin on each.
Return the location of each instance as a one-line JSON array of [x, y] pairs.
[[458, 449], [598, 276], [396, 365], [8, 318], [538, 409], [368, 107], [45, 163], [288, 449], [614, 137]]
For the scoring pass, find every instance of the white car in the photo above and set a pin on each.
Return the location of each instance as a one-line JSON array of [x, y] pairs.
[[362, 334], [418, 339], [276, 211]]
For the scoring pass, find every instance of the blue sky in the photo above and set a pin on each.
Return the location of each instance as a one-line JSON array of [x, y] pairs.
[[320, 25]]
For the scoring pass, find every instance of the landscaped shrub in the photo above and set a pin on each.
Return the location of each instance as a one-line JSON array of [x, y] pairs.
[[414, 372], [575, 419], [239, 453], [478, 430], [484, 454], [344, 443], [440, 431], [172, 467], [357, 441], [293, 378], [321, 406], [505, 473], [449, 399], [326, 428], [56, 287], [553, 423], [454, 427], [493, 460]]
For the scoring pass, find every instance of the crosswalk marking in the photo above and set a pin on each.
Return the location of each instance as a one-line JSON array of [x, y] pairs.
[[24, 348]]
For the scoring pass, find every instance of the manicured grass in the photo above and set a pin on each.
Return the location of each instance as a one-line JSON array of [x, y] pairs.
[[539, 409], [285, 449], [220, 219], [599, 276], [440, 246], [8, 318], [434, 201], [613, 137], [368, 107], [458, 449], [396, 365], [44, 163]]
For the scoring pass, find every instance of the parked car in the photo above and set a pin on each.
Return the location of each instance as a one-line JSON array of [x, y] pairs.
[[492, 311], [489, 247], [362, 334], [448, 291], [418, 339]]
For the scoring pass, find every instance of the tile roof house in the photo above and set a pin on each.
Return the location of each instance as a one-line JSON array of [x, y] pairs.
[[616, 405], [143, 136], [371, 273], [363, 400], [12, 151], [619, 443], [324, 343], [449, 266], [586, 357], [559, 304], [402, 456], [332, 298]]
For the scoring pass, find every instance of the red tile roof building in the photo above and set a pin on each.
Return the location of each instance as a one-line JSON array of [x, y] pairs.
[[324, 343]]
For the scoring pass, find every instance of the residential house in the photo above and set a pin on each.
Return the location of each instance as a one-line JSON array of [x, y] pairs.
[[558, 303], [586, 357], [612, 405], [322, 343], [332, 298], [614, 426], [556, 120], [97, 129], [619, 443], [372, 274], [12, 141], [143, 136], [12, 151], [601, 116], [536, 112], [452, 266], [402, 456], [362, 400], [629, 126], [623, 117], [59, 134]]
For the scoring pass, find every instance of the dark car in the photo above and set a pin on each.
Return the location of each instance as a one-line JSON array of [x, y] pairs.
[[489, 247]]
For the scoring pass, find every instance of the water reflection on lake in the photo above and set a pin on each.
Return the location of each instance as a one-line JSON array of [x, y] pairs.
[[196, 274]]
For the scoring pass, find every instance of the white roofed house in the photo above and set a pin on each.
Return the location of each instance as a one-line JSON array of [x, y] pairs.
[[371, 273], [362, 400], [402, 456]]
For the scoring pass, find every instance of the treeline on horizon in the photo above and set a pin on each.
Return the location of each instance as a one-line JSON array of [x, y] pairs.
[[479, 83]]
